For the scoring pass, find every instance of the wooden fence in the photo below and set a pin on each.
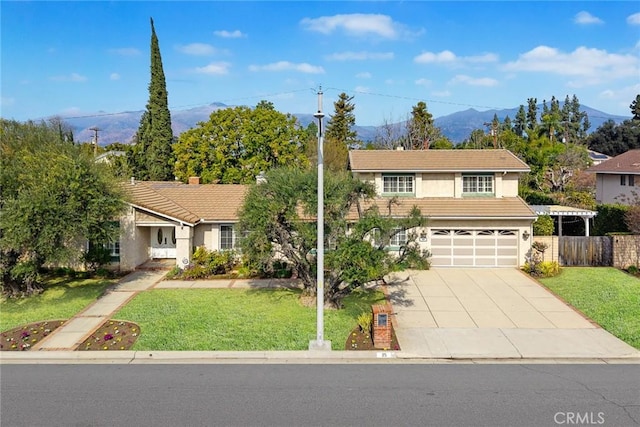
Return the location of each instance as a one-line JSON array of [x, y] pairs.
[[585, 251]]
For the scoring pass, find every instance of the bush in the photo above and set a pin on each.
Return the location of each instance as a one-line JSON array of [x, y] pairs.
[[206, 264], [610, 219], [174, 273], [632, 269], [543, 226], [96, 257], [537, 268]]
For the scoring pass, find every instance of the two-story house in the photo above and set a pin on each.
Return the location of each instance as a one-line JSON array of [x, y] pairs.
[[618, 179], [470, 197]]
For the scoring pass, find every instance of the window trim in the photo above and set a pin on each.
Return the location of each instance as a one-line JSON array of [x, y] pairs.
[[222, 238], [397, 176], [476, 177]]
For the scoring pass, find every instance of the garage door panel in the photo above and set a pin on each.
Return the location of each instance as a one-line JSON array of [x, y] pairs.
[[468, 248]]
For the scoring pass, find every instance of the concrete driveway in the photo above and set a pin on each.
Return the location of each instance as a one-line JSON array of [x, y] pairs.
[[492, 313]]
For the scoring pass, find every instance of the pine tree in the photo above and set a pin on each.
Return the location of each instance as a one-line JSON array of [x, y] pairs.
[[532, 114], [635, 108], [152, 157], [342, 121], [421, 127], [521, 121]]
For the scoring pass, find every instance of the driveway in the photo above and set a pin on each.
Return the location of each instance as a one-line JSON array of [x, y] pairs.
[[491, 312]]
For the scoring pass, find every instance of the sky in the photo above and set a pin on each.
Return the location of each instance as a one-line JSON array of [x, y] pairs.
[[81, 58]]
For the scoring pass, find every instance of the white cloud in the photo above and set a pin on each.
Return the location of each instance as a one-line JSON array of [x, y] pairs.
[[423, 82], [621, 94], [288, 66], [214, 68], [114, 76], [125, 51], [357, 24], [471, 81], [359, 56], [73, 77], [197, 49], [236, 34], [450, 58], [362, 89], [634, 19], [585, 18], [6, 101], [591, 65]]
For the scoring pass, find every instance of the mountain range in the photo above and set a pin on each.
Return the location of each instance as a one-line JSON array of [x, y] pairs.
[[121, 127]]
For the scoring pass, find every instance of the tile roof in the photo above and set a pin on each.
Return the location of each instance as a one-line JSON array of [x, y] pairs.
[[189, 203], [448, 207], [628, 162], [435, 160]]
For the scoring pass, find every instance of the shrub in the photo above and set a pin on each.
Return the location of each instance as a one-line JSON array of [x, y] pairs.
[[96, 257], [174, 273], [549, 268], [632, 269], [610, 219], [365, 320], [543, 226]]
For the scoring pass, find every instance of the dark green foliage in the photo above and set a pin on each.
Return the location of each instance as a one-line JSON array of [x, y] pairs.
[[54, 197], [613, 139], [610, 219], [635, 108], [340, 125], [96, 257], [152, 156]]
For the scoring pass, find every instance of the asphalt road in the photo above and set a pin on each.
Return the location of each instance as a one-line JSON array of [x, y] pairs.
[[315, 395]]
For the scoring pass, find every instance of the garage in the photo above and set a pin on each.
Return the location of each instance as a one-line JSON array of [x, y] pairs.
[[474, 248]]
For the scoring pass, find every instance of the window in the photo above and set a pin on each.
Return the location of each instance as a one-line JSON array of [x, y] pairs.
[[477, 184], [227, 237], [399, 239], [623, 179], [397, 184], [631, 181], [114, 248]]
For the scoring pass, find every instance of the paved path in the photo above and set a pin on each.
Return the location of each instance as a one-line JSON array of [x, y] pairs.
[[492, 313]]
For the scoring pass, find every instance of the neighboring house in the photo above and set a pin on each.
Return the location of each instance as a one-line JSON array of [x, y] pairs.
[[618, 178], [170, 219], [108, 156], [470, 197]]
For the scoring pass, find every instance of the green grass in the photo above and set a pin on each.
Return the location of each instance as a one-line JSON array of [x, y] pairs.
[[606, 295], [237, 319], [62, 299]]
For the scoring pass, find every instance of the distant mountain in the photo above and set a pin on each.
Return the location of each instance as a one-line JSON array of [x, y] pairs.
[[121, 127]]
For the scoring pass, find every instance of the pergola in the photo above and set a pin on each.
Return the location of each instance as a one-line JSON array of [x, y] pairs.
[[562, 211]]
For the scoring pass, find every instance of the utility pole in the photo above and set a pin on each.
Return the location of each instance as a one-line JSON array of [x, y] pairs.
[[319, 343], [95, 140]]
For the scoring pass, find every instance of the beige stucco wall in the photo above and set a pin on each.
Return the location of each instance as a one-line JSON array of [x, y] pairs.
[[202, 236], [609, 190], [184, 236], [134, 242], [551, 254], [510, 184], [437, 185]]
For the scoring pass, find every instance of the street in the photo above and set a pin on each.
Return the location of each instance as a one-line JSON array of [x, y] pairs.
[[314, 395]]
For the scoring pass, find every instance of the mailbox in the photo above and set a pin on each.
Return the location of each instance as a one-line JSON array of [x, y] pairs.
[[381, 325]]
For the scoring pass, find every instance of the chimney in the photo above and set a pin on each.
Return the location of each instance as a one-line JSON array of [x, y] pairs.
[[133, 181], [194, 180]]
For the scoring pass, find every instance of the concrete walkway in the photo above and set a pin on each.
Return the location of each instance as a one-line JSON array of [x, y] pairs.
[[492, 313]]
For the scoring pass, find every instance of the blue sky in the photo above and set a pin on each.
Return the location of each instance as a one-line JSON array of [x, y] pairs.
[[81, 58]]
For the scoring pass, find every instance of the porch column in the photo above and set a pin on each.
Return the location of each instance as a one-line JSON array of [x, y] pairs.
[[586, 225], [559, 225], [184, 243]]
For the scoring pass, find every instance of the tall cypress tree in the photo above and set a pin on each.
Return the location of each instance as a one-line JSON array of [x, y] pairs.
[[152, 155]]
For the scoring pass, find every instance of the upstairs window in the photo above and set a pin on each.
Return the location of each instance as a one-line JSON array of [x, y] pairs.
[[398, 184], [477, 184]]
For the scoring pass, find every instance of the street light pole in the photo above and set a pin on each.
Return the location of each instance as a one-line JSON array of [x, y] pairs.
[[319, 343]]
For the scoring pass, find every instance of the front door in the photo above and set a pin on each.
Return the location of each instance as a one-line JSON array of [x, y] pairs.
[[163, 242]]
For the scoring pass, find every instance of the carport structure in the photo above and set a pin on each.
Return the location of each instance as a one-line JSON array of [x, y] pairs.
[[558, 211]]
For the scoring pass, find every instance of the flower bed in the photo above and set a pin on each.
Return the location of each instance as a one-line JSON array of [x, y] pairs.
[[112, 335], [22, 338]]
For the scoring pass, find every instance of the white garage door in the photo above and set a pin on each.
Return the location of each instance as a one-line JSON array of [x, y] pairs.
[[474, 248]]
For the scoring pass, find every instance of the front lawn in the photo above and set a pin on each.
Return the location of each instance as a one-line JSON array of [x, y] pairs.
[[61, 299], [606, 295], [237, 319]]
